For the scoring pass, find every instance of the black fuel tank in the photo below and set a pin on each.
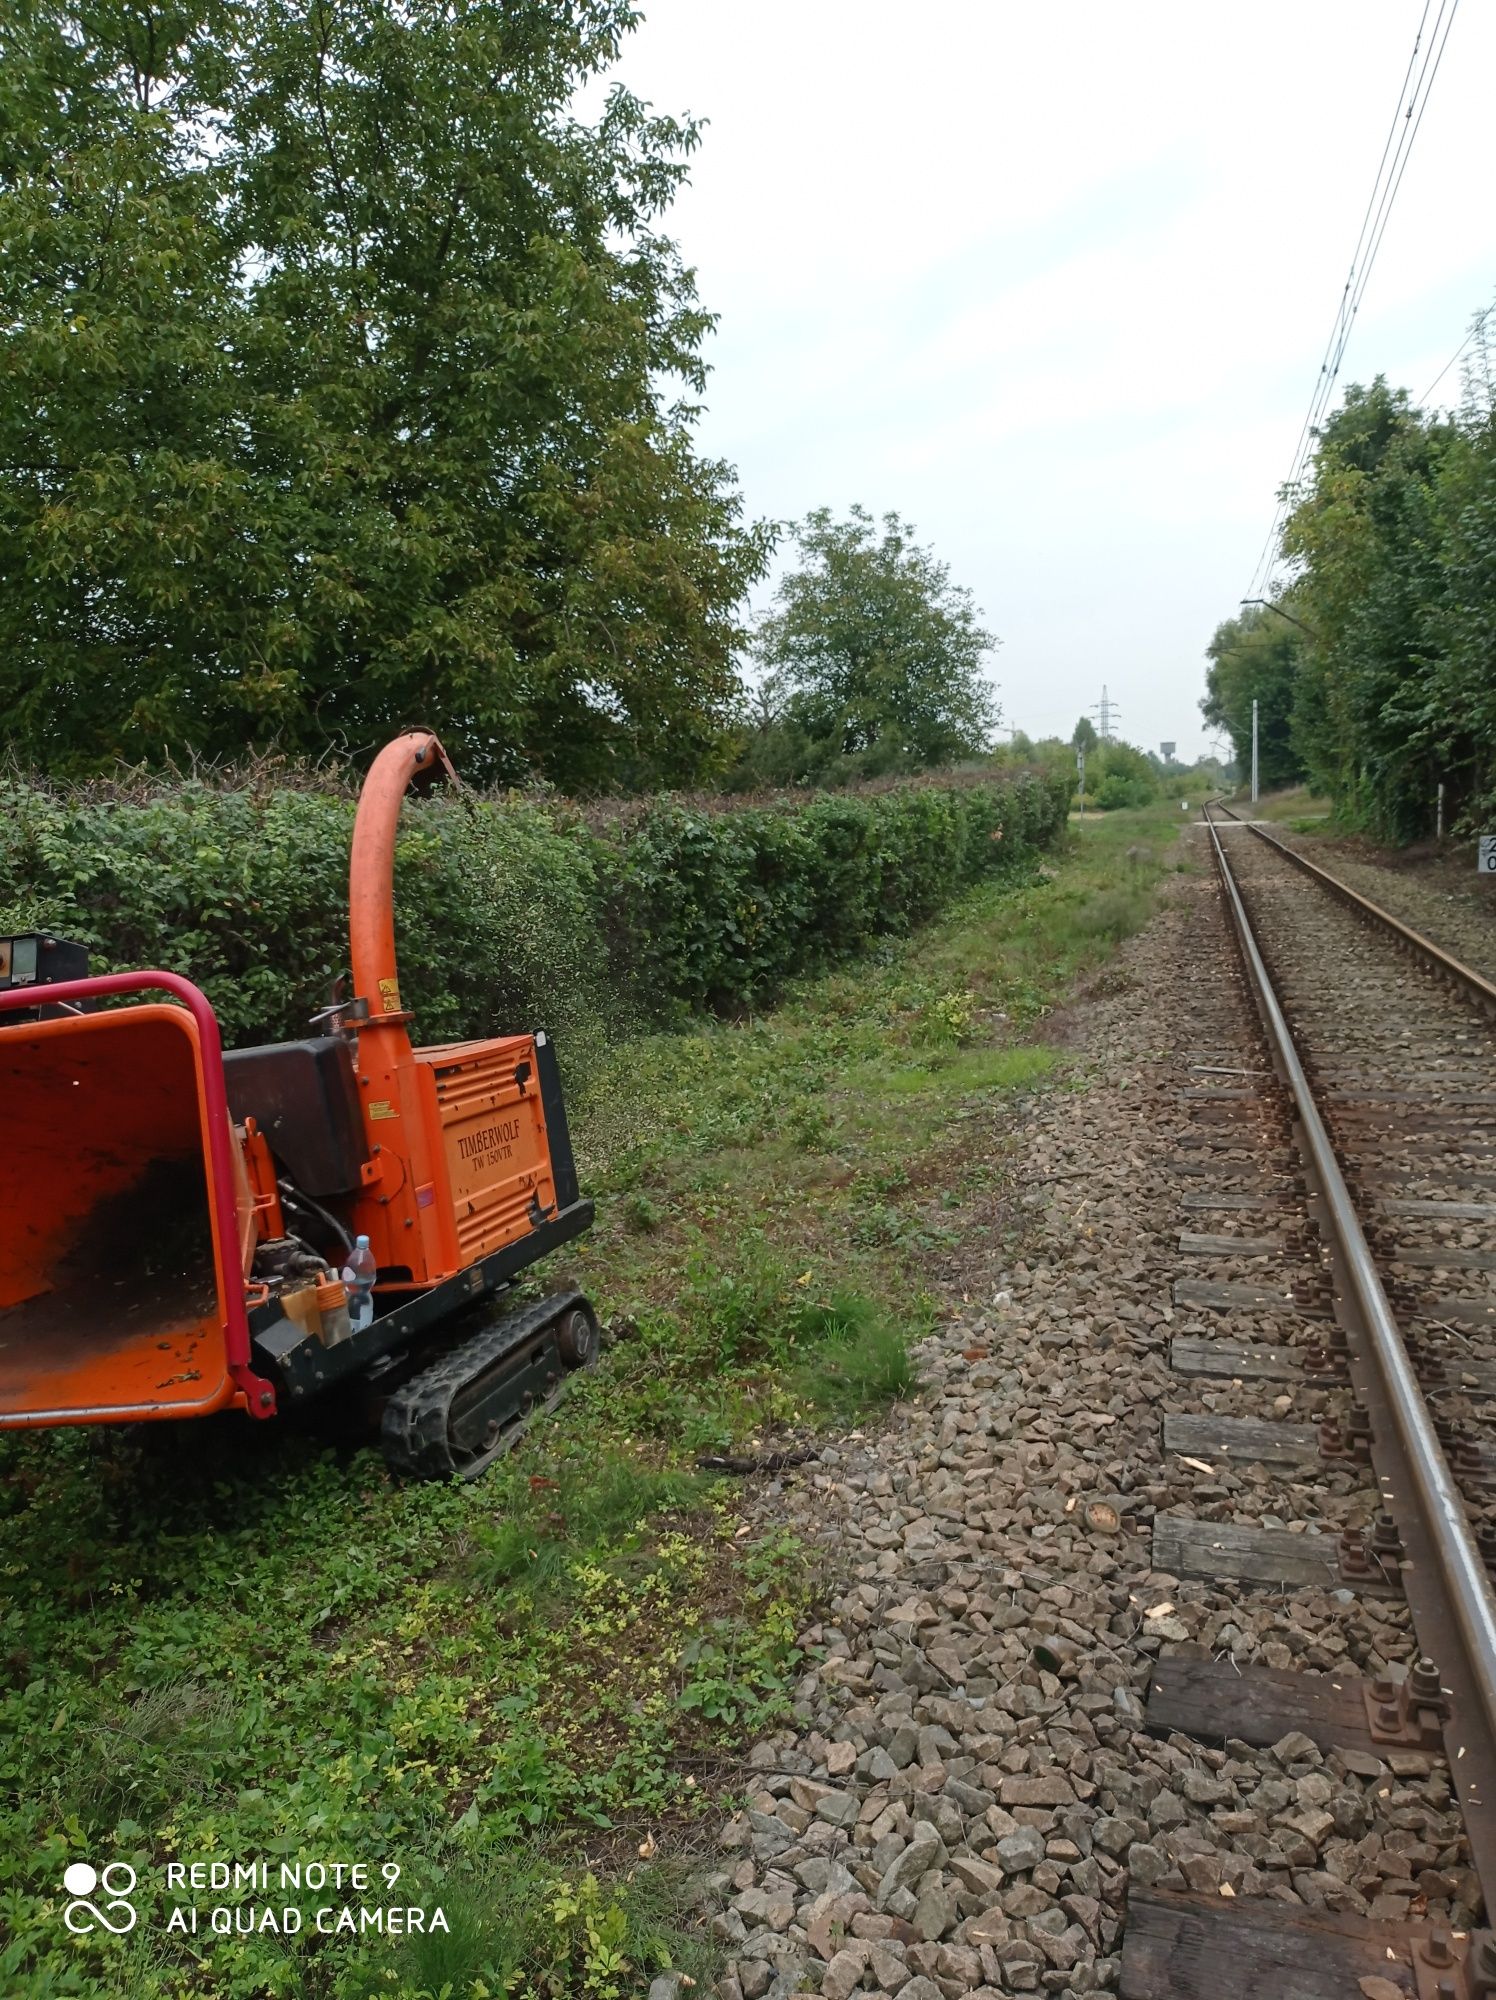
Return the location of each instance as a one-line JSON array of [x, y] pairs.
[[304, 1098]]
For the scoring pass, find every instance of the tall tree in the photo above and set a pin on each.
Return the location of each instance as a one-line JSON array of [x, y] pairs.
[[1365, 535], [1084, 736], [880, 653], [1459, 680], [336, 391], [1255, 657]]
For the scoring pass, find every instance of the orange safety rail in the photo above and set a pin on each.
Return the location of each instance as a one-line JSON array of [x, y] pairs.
[[121, 1266]]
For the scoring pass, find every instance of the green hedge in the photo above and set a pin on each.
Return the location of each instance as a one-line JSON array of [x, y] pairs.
[[510, 913], [720, 909]]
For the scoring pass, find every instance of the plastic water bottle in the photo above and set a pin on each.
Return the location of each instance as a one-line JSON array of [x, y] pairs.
[[358, 1274]]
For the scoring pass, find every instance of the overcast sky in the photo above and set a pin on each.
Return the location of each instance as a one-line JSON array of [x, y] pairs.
[[1054, 282]]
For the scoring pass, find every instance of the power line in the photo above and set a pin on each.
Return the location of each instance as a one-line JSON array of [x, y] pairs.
[[1469, 341], [1378, 213], [1390, 170], [1389, 195], [1436, 57], [1342, 314], [1306, 429]]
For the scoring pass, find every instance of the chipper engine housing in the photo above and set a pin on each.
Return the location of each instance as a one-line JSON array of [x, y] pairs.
[[173, 1220]]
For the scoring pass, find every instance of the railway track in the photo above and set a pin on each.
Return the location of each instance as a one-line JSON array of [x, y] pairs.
[[1337, 1170], [1155, 1654]]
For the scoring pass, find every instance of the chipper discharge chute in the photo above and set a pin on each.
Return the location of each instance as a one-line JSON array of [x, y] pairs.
[[184, 1231]]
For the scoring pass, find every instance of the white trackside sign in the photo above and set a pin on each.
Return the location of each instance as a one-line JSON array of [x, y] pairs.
[[1485, 856]]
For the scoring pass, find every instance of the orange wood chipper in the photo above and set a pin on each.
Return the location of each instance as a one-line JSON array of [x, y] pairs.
[[174, 1220]]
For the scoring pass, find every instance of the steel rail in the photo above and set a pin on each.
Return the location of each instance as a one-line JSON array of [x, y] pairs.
[[1434, 955], [1441, 1509]]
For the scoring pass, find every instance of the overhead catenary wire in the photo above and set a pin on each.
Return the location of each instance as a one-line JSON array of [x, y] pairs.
[[1431, 63], [1373, 227], [1306, 429], [1412, 102], [1477, 326]]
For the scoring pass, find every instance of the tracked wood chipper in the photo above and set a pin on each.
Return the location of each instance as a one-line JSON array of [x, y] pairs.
[[175, 1221]]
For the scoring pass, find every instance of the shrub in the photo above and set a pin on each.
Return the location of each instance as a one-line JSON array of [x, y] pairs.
[[719, 909], [1121, 776], [1117, 792], [512, 913], [245, 890]]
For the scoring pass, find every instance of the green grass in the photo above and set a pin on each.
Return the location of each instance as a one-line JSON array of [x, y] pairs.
[[969, 1070], [538, 1542], [238, 1642], [858, 1360], [527, 1930], [1297, 807]]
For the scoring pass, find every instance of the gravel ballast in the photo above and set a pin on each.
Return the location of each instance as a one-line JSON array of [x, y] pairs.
[[1440, 894]]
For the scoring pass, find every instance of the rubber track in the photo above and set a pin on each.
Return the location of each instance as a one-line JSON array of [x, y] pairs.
[[414, 1432]]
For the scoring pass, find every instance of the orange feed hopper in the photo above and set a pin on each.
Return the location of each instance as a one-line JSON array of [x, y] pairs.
[[110, 1298]]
